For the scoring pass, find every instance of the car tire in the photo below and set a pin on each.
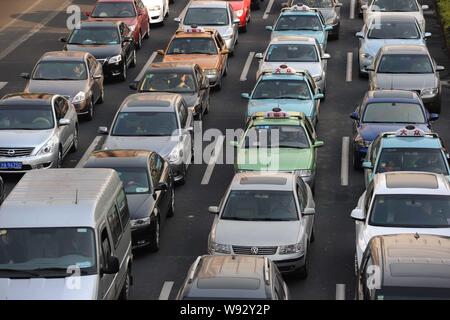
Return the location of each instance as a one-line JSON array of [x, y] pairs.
[[90, 115], [154, 237], [74, 147], [171, 211], [147, 34], [133, 60], [59, 158], [125, 292], [101, 99], [123, 75]]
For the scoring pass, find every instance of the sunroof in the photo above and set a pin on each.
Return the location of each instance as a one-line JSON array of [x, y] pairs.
[[411, 180], [264, 180]]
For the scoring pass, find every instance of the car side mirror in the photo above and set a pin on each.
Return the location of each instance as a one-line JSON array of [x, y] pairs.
[[160, 52], [162, 186], [25, 75], [245, 96], [338, 4], [102, 130], [284, 4], [425, 7], [367, 165], [113, 266], [127, 39], [236, 21], [370, 68], [177, 19], [309, 211], [213, 210], [64, 122], [63, 40], [269, 28], [96, 76], [326, 56], [318, 144], [364, 7], [319, 96], [358, 214], [354, 116], [133, 85], [360, 35], [440, 68], [259, 55], [433, 117], [427, 35], [225, 51], [328, 28]]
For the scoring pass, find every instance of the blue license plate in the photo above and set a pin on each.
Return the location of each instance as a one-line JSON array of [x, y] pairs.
[[11, 165]]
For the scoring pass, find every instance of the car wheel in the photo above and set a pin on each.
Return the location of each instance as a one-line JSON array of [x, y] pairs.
[[59, 159], [123, 75], [303, 271], [147, 34], [74, 147], [90, 114], [101, 99], [133, 60], [125, 292], [171, 212], [154, 237]]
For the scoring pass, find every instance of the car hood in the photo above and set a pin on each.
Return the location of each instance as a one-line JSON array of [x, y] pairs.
[[314, 68], [48, 289], [288, 105], [371, 46], [63, 87], [98, 51], [24, 138], [370, 131], [283, 159], [161, 145], [319, 35], [140, 205], [205, 61], [257, 233], [404, 81], [223, 30]]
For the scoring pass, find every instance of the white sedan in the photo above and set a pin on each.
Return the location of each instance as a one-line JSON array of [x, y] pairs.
[[157, 10]]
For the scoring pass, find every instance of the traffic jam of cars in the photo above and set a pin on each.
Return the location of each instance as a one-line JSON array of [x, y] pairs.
[[115, 207]]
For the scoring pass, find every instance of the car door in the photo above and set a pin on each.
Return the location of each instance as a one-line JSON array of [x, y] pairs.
[[127, 46], [94, 71], [235, 26], [362, 225], [223, 57], [303, 199], [185, 120], [203, 90], [107, 290], [156, 178], [142, 16], [61, 107]]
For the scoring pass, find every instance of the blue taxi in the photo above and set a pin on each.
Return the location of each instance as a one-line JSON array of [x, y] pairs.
[[301, 21], [288, 89], [407, 149]]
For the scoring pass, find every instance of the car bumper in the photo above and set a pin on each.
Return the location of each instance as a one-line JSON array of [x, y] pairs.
[[31, 162], [112, 69], [140, 236], [364, 63], [82, 107], [291, 264], [156, 16], [230, 43], [335, 30], [213, 80], [178, 171]]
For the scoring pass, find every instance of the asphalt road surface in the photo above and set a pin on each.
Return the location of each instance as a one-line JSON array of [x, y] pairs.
[[27, 32]]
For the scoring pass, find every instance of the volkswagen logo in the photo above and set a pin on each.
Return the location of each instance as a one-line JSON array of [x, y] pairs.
[[11, 152], [254, 250]]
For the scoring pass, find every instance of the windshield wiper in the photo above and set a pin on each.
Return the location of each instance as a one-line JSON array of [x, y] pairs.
[[289, 147], [18, 271], [291, 97]]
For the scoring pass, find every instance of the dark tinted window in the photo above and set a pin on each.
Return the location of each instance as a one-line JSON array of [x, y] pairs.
[[114, 10], [394, 6], [405, 63], [60, 70], [114, 225], [192, 46], [145, 124], [95, 36], [397, 112], [299, 22], [123, 208], [26, 118], [135, 180]]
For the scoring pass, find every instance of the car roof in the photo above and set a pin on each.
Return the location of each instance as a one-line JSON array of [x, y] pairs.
[[228, 276], [23, 98], [118, 158], [171, 66], [59, 198], [64, 56], [293, 39], [150, 101], [413, 260], [263, 181], [425, 142], [207, 4], [405, 49], [407, 182]]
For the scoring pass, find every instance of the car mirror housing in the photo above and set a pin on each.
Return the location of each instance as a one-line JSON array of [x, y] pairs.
[[25, 75], [309, 212], [269, 28], [367, 165], [63, 40], [245, 96], [319, 96], [328, 28], [326, 56], [133, 85], [213, 209], [440, 68], [162, 186], [359, 35], [259, 55], [160, 52], [318, 144], [102, 130], [358, 214], [177, 19], [354, 116], [433, 116], [64, 122]]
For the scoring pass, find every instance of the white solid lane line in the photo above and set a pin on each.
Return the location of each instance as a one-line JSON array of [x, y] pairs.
[[147, 64], [212, 162], [247, 65], [349, 74], [344, 160], [340, 291], [88, 151], [269, 7], [352, 9], [2, 85], [13, 46], [20, 15], [165, 291]]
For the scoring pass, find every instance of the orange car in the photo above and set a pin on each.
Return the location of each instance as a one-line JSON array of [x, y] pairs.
[[201, 46]]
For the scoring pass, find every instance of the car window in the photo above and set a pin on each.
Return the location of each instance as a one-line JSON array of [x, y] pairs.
[[59, 108], [276, 136], [206, 17], [220, 42], [60, 70], [192, 46], [394, 6], [23, 117], [394, 30], [168, 82], [289, 22], [95, 36], [106, 249], [114, 10], [302, 198], [122, 205], [135, 179], [393, 112], [405, 63], [280, 52], [114, 225], [155, 169], [92, 64], [145, 124], [282, 89], [315, 3]]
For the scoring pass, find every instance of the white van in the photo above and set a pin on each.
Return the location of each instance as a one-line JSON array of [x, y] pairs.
[[65, 234]]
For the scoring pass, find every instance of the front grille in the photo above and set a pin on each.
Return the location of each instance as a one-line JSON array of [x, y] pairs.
[[15, 152], [262, 251]]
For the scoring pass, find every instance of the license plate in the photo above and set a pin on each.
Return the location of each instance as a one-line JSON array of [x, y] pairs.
[[11, 165]]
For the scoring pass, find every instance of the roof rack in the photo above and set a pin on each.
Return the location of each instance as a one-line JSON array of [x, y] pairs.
[[194, 268]]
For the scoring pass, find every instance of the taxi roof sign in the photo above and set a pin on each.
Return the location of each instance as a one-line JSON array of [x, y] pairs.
[[410, 131], [299, 7], [277, 113], [284, 69]]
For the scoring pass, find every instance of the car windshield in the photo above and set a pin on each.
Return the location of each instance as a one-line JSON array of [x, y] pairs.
[[192, 46], [282, 89], [405, 63], [135, 180], [413, 293], [114, 10], [394, 30], [292, 52], [276, 136], [168, 82], [258, 205], [94, 36], [412, 159], [411, 210], [390, 112], [206, 17], [394, 5], [51, 252], [298, 22], [315, 3], [145, 124], [60, 70], [26, 118]]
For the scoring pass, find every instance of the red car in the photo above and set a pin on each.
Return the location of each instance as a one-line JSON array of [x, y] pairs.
[[132, 12], [241, 9]]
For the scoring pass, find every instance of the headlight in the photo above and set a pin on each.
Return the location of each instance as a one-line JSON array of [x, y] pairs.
[[79, 97], [429, 92], [318, 78], [155, 8], [138, 223], [115, 59], [48, 146], [292, 248], [239, 13], [219, 248], [304, 173], [210, 72], [176, 155]]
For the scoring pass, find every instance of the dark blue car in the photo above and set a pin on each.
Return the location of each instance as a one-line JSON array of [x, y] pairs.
[[386, 111]]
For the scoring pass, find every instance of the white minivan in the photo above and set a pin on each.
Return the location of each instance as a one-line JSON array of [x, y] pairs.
[[65, 234]]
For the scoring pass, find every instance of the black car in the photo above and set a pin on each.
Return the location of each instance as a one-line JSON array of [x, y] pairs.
[[149, 188], [405, 267], [186, 79], [111, 43]]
